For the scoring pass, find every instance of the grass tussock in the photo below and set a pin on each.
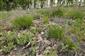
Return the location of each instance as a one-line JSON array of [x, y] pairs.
[[22, 22]]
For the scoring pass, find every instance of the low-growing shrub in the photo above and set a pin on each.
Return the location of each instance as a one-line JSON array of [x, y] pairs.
[[33, 30], [24, 37], [55, 31], [10, 40], [6, 49], [22, 22], [7, 42], [10, 36]]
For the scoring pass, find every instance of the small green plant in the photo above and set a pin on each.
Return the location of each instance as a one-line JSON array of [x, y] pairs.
[[55, 31], [33, 30], [7, 41], [22, 22], [8, 48], [69, 44], [10, 36], [24, 37]]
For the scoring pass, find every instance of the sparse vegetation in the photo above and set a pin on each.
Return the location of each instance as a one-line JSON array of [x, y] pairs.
[[29, 32], [42, 28]]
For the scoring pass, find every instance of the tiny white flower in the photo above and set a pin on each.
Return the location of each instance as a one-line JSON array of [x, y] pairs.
[[9, 32], [42, 33], [18, 34]]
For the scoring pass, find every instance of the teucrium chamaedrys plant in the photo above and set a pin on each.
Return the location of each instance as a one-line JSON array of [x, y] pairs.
[[7, 43], [24, 37]]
